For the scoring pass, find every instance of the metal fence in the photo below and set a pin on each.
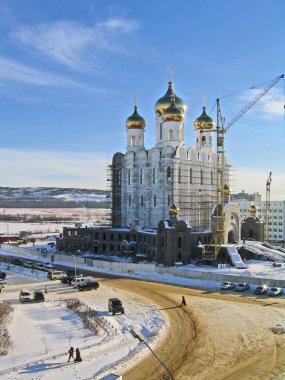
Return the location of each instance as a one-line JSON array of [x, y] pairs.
[[131, 268]]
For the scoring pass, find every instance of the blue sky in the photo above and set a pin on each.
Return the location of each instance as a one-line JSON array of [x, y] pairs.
[[69, 71]]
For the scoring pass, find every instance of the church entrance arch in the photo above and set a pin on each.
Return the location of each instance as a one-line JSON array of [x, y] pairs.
[[231, 237]]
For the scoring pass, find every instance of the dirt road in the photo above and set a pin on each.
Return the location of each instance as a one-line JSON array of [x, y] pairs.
[[215, 336]]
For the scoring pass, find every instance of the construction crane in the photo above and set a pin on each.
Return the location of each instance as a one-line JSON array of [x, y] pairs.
[[222, 188], [267, 207]]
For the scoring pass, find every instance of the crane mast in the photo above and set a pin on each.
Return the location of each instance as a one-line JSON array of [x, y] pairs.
[[219, 227], [267, 207]]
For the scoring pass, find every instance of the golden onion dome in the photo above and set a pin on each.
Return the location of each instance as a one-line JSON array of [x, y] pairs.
[[163, 103], [227, 190], [135, 121], [172, 113], [173, 210], [204, 121], [252, 209]]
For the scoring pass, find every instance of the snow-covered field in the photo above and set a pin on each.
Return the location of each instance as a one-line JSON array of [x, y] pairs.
[[42, 333]]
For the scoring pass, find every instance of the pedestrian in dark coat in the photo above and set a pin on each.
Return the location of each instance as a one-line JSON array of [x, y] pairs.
[[183, 302], [70, 351], [77, 356]]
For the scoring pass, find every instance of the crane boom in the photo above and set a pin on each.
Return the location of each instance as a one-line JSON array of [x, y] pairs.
[[255, 100]]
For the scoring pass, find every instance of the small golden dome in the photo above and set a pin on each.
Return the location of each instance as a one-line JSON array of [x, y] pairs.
[[204, 121], [227, 190], [252, 209], [135, 121], [173, 210], [172, 113], [163, 103]]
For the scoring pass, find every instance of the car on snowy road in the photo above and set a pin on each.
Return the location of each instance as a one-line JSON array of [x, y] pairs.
[[115, 306], [227, 285], [25, 296], [274, 291], [262, 289], [88, 286], [39, 296], [242, 287]]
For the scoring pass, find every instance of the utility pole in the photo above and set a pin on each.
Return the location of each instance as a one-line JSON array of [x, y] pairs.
[[267, 207]]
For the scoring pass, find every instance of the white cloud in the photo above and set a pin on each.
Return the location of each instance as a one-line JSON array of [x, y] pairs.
[[252, 181], [271, 105], [47, 168], [71, 43]]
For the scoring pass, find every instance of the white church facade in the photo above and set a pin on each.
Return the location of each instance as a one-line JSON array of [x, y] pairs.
[[146, 182]]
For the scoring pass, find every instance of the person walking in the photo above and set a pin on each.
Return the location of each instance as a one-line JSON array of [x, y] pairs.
[[77, 356], [183, 302], [46, 289], [70, 351]]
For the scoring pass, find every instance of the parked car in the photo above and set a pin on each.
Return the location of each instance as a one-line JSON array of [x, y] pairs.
[[49, 267], [242, 287], [40, 266], [2, 275], [262, 289], [39, 296], [88, 286], [274, 291], [3, 284], [56, 275], [227, 285], [25, 296], [17, 262], [115, 306], [28, 264]]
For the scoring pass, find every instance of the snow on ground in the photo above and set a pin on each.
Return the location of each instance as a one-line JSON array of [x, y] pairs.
[[41, 332]]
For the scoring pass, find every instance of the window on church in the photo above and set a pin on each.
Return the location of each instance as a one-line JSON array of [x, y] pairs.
[[153, 175], [141, 176], [133, 140], [160, 131], [168, 174], [212, 178], [170, 135], [202, 177], [130, 200], [203, 140], [191, 176], [179, 242], [129, 177], [140, 140], [141, 200], [154, 200], [179, 175]]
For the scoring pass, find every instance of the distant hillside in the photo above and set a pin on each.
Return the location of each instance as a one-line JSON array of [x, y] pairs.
[[52, 197]]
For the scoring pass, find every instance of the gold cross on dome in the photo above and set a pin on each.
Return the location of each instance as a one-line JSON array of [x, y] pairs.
[[204, 101], [169, 70]]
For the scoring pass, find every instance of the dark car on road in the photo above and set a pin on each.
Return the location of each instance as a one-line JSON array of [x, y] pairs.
[[115, 306], [39, 296], [88, 286], [262, 289]]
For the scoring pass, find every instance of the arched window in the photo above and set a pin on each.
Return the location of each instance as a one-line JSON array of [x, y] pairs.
[[179, 242], [153, 175], [179, 175], [212, 178], [202, 177], [190, 176], [170, 135], [203, 140], [168, 174], [141, 176], [141, 200], [130, 200], [133, 140], [160, 131], [154, 200], [129, 177]]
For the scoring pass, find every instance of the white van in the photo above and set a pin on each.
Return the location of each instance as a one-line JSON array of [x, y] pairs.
[[56, 275], [81, 281]]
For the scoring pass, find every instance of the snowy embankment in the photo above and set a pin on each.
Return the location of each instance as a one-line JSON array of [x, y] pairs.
[[42, 333]]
